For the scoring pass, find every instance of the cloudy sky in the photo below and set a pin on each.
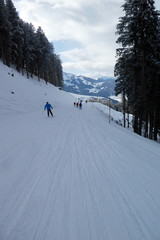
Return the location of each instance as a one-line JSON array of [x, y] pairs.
[[82, 31]]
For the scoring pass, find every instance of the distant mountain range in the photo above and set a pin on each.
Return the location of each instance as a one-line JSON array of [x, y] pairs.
[[102, 87]]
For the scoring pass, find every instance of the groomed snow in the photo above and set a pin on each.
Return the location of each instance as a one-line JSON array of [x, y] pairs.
[[75, 176]]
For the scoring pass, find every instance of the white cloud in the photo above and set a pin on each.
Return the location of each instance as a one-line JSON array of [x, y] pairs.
[[90, 59], [91, 23]]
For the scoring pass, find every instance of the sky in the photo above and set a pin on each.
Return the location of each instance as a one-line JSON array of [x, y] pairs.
[[82, 32]]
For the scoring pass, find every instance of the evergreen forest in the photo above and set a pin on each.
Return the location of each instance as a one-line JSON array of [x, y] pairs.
[[137, 68], [26, 48]]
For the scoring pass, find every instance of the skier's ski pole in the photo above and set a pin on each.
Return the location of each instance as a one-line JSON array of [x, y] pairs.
[[42, 112]]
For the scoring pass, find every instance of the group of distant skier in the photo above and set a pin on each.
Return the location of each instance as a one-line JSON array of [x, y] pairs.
[[48, 107], [78, 104]]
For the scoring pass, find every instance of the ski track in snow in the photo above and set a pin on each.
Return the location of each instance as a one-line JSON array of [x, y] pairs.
[[76, 177]]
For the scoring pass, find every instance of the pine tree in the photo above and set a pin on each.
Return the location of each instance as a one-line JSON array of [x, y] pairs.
[[58, 72], [4, 34], [26, 48], [138, 34], [29, 48], [40, 46], [124, 82], [16, 35]]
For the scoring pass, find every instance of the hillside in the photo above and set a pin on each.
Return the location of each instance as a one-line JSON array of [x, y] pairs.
[[102, 87], [74, 176]]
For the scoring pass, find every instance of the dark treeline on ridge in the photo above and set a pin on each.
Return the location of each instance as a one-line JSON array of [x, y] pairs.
[[26, 48], [138, 65]]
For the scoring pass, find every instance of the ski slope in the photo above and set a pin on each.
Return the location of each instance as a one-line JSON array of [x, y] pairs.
[[73, 176]]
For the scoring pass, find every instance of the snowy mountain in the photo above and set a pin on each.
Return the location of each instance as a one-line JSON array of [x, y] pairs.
[[74, 176], [102, 87]]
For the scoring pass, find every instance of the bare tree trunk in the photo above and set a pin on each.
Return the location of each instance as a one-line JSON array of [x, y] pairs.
[[124, 109], [151, 126], [146, 126]]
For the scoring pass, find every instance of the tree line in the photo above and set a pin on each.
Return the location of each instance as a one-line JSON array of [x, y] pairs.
[[27, 48], [138, 65]]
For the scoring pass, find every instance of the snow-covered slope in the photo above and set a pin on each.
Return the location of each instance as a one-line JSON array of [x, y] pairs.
[[74, 176]]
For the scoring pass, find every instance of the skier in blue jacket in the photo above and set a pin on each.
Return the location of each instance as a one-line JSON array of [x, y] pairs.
[[48, 107]]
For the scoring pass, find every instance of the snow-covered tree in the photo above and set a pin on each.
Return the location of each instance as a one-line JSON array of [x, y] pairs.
[[138, 34], [16, 35], [26, 48], [4, 34], [58, 71], [29, 48]]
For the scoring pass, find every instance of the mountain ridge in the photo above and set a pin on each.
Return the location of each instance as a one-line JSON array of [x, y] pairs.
[[79, 84]]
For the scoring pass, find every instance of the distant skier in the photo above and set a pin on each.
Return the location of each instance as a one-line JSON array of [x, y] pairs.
[[80, 105], [48, 107]]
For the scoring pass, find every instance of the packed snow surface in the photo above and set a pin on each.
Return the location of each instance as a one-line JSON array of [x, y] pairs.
[[74, 176]]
